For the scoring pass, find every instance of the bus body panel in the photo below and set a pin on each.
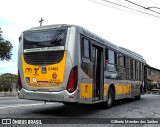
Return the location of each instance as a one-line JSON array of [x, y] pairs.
[[46, 92], [45, 77], [61, 96], [85, 92]]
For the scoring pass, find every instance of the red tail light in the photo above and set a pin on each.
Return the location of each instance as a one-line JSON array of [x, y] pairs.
[[19, 81], [72, 82]]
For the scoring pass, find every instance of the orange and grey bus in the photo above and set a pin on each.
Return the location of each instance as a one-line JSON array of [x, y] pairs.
[[69, 64]]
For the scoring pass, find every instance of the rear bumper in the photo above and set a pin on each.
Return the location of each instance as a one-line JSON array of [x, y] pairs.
[[62, 96]]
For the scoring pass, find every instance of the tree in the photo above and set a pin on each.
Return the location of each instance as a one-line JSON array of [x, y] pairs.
[[5, 48], [8, 81]]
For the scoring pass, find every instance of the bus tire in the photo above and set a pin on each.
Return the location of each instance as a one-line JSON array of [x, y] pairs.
[[66, 103], [138, 97], [110, 98], [70, 103]]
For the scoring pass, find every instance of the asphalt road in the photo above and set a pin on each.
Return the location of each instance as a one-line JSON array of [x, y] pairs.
[[147, 107]]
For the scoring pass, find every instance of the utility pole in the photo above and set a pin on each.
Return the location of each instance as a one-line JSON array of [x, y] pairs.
[[41, 21]]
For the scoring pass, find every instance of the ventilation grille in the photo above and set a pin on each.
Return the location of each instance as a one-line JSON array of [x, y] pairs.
[[43, 58]]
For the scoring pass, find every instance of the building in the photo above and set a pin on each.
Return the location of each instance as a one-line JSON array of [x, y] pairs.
[[153, 78]]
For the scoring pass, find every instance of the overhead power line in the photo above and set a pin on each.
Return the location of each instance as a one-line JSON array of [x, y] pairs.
[[153, 7], [155, 2], [127, 4], [136, 4], [147, 8], [123, 6]]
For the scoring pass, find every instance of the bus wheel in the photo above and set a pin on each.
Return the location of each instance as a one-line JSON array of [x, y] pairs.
[[110, 99], [70, 103], [66, 103], [138, 97]]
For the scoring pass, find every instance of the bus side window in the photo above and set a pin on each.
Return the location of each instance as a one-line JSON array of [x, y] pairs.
[[111, 57], [121, 60], [137, 70], [141, 71], [121, 66], [127, 66], [134, 76], [106, 58], [110, 60], [85, 48]]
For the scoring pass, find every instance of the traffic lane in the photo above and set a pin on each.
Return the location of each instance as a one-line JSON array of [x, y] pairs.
[[14, 100], [147, 107], [9, 98], [126, 108], [49, 110]]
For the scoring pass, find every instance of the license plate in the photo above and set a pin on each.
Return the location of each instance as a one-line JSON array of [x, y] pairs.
[[42, 83]]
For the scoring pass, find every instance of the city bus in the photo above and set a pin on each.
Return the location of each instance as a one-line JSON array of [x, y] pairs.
[[69, 64]]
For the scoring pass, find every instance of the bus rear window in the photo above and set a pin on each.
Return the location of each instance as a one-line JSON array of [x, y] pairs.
[[45, 38]]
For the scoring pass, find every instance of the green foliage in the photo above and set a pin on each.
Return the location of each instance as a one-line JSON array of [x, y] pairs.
[[5, 48], [8, 81]]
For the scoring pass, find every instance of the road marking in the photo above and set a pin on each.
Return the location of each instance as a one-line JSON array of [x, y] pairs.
[[21, 105]]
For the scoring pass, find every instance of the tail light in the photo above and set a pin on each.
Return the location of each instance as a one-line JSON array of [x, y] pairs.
[[19, 81], [72, 82]]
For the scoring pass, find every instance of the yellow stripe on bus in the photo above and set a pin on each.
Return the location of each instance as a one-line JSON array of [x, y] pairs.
[[85, 90], [105, 89], [123, 88]]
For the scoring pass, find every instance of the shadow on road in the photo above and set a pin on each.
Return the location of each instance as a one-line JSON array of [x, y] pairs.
[[125, 101], [67, 111], [80, 110]]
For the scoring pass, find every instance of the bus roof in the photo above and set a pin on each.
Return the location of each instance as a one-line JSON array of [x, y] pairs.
[[49, 27], [122, 50]]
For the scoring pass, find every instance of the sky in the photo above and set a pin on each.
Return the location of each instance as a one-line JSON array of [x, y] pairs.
[[120, 25]]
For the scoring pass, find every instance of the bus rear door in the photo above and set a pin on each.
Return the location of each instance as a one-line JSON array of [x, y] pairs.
[[97, 59]]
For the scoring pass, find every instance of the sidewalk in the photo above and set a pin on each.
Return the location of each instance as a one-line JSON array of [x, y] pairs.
[[7, 94]]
